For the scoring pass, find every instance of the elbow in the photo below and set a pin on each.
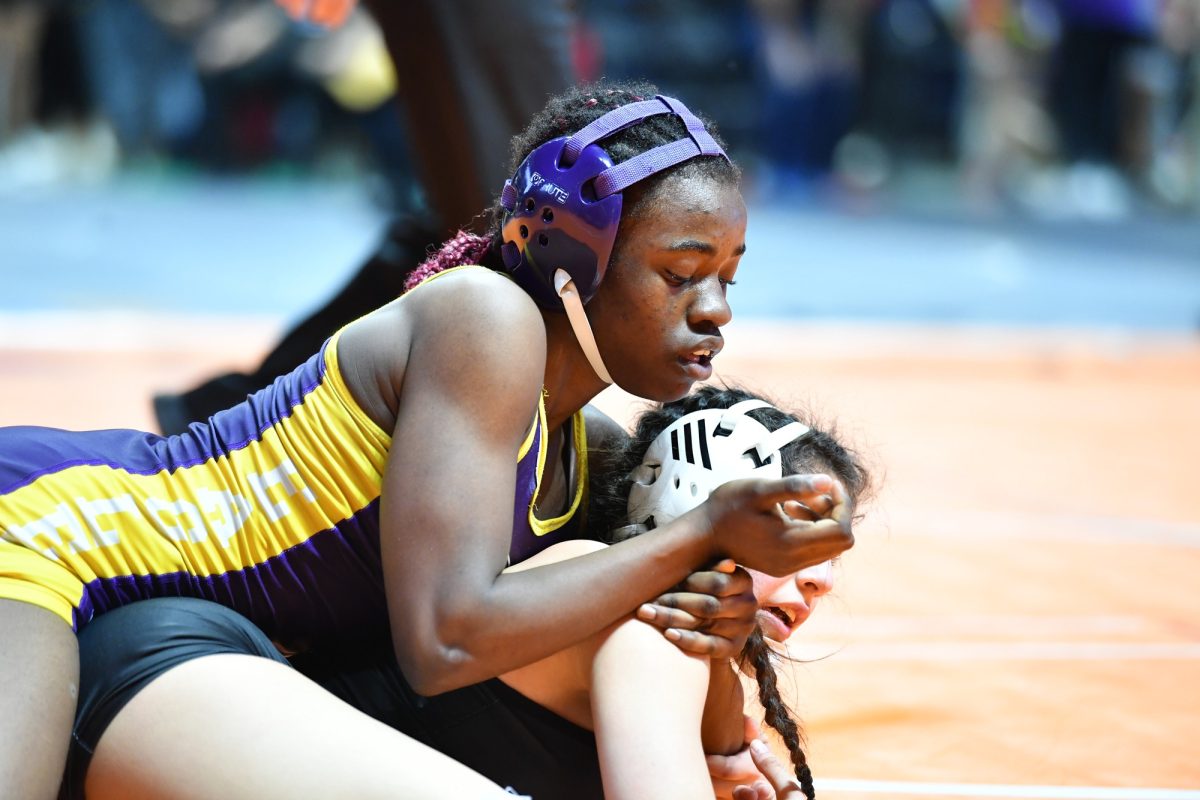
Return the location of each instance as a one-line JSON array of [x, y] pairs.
[[438, 645], [433, 669]]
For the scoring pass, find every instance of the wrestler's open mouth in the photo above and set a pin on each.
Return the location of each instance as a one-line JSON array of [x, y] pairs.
[[787, 617]]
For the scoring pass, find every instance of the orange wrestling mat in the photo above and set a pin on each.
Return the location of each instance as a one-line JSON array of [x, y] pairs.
[[1020, 617]]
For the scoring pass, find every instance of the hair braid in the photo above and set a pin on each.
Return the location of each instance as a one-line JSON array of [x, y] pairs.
[[464, 248], [819, 451], [776, 714]]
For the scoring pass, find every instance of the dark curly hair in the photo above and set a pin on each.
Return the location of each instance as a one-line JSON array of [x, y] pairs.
[[563, 115], [819, 451]]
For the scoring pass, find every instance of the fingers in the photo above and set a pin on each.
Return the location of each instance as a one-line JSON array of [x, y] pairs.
[[735, 776], [805, 489], [803, 545], [779, 776], [704, 644], [715, 620], [662, 616], [759, 790], [823, 536], [736, 768], [768, 525], [707, 599], [719, 582], [843, 505], [792, 509], [822, 495]]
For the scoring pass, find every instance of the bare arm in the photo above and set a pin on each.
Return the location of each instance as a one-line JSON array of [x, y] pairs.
[[465, 399], [647, 698], [566, 684], [465, 403]]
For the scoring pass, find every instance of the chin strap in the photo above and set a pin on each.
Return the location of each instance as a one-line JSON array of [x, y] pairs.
[[579, 322]]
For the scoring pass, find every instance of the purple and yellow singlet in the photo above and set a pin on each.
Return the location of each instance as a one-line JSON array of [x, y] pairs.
[[270, 508]]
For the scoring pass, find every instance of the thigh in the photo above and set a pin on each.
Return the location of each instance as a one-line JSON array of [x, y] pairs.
[[127, 649], [39, 670], [215, 712], [489, 726]]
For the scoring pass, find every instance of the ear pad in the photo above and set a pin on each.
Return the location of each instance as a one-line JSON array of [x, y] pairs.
[[556, 222]]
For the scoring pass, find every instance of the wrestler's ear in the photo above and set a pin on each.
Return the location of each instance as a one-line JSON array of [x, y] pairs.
[[646, 474]]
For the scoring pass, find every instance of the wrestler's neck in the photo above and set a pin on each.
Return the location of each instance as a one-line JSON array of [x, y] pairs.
[[570, 382]]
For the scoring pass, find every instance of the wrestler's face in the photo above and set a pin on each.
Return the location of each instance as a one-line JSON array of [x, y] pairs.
[[785, 603], [658, 313]]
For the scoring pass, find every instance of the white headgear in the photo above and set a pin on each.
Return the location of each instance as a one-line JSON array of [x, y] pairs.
[[701, 451]]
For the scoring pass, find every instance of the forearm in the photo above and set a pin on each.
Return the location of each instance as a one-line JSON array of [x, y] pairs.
[[517, 618], [722, 731]]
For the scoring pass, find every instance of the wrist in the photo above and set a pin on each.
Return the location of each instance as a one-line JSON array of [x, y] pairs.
[[698, 528]]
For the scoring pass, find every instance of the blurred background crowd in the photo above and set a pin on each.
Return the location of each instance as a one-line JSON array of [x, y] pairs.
[[1046, 108]]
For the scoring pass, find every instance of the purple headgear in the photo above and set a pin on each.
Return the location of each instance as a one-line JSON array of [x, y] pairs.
[[564, 202]]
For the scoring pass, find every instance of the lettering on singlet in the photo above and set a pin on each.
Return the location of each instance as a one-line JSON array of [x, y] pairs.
[[84, 524]]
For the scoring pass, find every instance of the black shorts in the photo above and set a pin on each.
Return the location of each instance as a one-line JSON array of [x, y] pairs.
[[489, 726]]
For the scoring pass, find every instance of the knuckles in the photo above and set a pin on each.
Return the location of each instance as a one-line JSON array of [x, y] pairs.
[[709, 606]]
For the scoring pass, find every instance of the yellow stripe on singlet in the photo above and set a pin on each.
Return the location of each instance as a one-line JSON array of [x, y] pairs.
[[227, 513]]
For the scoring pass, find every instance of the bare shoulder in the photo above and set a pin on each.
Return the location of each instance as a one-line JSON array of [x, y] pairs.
[[473, 326], [476, 291], [476, 314]]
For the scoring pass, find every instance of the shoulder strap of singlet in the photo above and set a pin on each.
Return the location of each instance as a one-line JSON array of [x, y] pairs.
[[541, 527]]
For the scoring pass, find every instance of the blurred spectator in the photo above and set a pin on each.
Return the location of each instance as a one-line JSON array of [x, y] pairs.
[[21, 25], [472, 72], [1118, 90], [1006, 133], [808, 72], [1101, 41], [45, 135], [1169, 151], [912, 75], [1059, 107], [144, 79], [689, 48]]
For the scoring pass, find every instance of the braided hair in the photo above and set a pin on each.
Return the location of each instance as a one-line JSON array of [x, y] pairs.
[[818, 451], [563, 115]]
